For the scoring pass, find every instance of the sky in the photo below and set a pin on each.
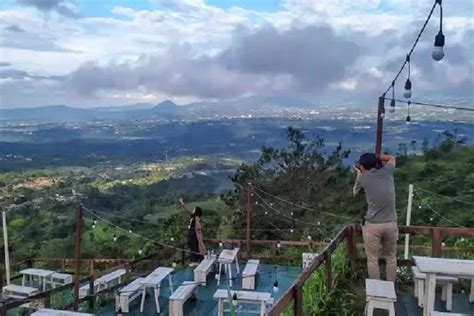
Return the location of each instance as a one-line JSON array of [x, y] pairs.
[[89, 53]]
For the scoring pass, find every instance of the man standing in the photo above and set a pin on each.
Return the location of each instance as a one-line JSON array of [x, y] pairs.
[[379, 230]]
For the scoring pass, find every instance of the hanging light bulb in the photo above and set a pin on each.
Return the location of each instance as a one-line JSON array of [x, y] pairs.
[[234, 299], [419, 207], [431, 219], [174, 265], [407, 92], [291, 213], [278, 245], [266, 213], [319, 223], [408, 115], [172, 238], [392, 102], [291, 230], [309, 237], [95, 221], [256, 202], [115, 237], [93, 226], [140, 252], [275, 287], [129, 231], [438, 51], [221, 244]]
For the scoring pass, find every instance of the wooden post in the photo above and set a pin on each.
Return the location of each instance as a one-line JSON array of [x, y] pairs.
[[407, 236], [298, 302], [77, 276], [5, 246], [91, 283], [248, 211], [380, 116], [436, 242], [328, 270], [63, 265], [351, 245]]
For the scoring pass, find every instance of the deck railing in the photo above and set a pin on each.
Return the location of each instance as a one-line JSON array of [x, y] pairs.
[[349, 235]]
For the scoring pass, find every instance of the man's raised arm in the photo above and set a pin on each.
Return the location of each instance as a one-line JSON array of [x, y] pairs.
[[389, 159]]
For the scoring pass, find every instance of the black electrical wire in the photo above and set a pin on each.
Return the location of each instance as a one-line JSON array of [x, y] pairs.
[[453, 107]]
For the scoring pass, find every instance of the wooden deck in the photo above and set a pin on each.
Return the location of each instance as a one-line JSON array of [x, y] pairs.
[[407, 305]]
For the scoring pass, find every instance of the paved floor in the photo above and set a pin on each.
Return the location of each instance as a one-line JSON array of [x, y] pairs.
[[205, 304]]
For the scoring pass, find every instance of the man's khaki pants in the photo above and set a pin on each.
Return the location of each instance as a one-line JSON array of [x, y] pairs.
[[381, 239]]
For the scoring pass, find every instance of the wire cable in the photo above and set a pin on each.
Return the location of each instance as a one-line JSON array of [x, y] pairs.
[[436, 212], [434, 105], [446, 197], [300, 206], [413, 47]]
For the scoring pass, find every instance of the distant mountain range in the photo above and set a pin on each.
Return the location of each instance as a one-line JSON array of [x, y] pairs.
[[166, 110]]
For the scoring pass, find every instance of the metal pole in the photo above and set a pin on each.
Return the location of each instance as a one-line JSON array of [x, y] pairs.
[[5, 246], [380, 116], [249, 210], [409, 207], [77, 276]]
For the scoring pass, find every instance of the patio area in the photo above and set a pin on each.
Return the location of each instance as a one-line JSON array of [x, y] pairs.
[[205, 304]]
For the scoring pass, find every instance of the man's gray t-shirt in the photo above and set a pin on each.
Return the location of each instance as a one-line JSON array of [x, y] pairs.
[[379, 190]]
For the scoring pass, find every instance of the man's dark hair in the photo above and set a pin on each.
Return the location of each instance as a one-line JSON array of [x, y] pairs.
[[198, 211], [368, 161]]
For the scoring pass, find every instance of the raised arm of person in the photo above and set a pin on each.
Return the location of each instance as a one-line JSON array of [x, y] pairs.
[[388, 159], [357, 186], [183, 205]]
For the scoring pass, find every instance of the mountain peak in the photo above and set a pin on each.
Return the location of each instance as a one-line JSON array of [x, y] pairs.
[[166, 104]]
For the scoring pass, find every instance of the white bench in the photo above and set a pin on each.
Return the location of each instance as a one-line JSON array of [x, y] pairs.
[[153, 281], [104, 282], [445, 281], [380, 294], [471, 295], [248, 275], [60, 279], [19, 291], [262, 298], [180, 296], [55, 312], [42, 274], [203, 269], [126, 295]]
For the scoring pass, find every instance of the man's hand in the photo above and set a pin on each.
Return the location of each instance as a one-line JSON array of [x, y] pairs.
[[389, 159], [357, 171]]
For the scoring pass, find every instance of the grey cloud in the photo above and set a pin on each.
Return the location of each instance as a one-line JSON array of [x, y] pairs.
[[265, 61], [14, 28], [21, 74], [62, 7], [4, 64], [314, 56]]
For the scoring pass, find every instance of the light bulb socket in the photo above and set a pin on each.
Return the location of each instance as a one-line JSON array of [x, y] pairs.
[[439, 39], [392, 103], [408, 84], [408, 119]]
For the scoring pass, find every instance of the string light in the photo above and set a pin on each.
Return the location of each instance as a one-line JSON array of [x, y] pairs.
[[234, 299], [278, 244], [275, 287], [408, 116], [221, 244], [130, 231], [438, 51], [266, 213], [291, 213], [172, 238], [291, 230], [115, 237], [407, 92], [392, 102], [93, 226], [140, 252], [309, 237], [174, 265]]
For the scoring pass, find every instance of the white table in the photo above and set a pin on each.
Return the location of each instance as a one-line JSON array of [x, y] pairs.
[[153, 281], [42, 274], [226, 258], [261, 298], [435, 266], [18, 291]]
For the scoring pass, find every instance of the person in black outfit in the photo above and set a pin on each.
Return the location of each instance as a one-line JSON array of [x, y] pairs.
[[195, 238]]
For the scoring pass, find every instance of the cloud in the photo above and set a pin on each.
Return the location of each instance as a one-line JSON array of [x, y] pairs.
[[17, 74], [14, 28], [62, 7], [4, 64]]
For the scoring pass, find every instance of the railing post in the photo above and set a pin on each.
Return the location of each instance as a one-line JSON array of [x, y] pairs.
[[47, 301], [436, 242], [328, 271], [351, 244], [298, 304]]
